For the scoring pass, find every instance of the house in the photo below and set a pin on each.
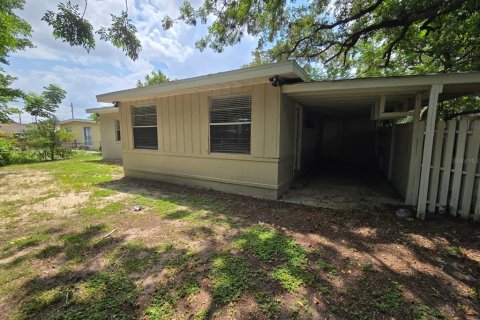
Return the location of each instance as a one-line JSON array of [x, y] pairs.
[[86, 132], [13, 128], [254, 131], [110, 133]]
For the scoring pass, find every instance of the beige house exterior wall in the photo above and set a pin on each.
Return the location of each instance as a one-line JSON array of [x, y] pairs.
[[76, 128], [183, 154], [111, 149]]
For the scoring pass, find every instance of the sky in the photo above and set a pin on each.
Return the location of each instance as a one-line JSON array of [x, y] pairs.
[[84, 75]]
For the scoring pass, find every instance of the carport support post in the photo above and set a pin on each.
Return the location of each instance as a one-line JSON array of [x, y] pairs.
[[435, 90], [411, 196]]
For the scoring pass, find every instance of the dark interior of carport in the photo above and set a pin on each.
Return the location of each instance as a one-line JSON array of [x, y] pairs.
[[343, 159]]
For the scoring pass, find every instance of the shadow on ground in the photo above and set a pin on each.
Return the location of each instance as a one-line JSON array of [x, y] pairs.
[[229, 256]]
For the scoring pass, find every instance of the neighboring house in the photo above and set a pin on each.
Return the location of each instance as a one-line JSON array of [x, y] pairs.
[[255, 130], [110, 133], [13, 128], [86, 132]]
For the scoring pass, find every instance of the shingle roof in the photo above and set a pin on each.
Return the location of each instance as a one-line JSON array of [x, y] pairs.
[[12, 127]]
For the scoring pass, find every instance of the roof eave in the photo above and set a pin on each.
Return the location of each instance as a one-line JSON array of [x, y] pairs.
[[420, 81], [252, 75], [102, 110], [77, 120]]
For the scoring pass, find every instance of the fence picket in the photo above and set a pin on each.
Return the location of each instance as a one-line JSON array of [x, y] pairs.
[[447, 165], [435, 174], [476, 216], [418, 161], [471, 168], [458, 166]]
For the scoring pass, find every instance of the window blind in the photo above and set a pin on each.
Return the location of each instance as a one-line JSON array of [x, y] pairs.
[[230, 124]]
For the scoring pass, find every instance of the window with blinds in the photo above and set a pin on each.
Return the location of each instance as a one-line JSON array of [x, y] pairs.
[[145, 127], [230, 124]]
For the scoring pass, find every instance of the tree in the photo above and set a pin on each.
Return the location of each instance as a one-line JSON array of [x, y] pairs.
[[157, 77], [94, 117], [16, 111], [441, 34], [53, 95], [70, 25], [15, 31], [13, 37], [7, 95], [44, 105], [49, 140]]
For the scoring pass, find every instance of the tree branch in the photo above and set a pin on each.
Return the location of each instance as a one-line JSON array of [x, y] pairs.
[[85, 9], [388, 53]]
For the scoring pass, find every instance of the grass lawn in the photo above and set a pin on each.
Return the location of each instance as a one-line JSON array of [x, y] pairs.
[[71, 247]]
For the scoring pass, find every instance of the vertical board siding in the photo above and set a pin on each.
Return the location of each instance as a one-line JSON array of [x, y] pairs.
[[258, 120], [271, 122], [184, 124], [195, 101], [124, 129], [204, 121], [179, 112], [187, 110], [172, 123], [159, 128], [166, 124], [454, 184]]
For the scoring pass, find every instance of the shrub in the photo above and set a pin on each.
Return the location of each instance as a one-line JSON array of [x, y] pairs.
[[48, 141], [6, 150]]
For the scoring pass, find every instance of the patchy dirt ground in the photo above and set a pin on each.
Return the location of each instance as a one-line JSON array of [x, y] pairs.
[[73, 248]]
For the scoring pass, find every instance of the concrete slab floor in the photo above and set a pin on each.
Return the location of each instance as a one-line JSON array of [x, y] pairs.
[[343, 188]]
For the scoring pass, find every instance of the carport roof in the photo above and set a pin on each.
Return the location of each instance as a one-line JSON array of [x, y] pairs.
[[360, 93]]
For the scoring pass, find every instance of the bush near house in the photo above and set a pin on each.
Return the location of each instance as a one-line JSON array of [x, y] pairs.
[[49, 141], [6, 148], [44, 141]]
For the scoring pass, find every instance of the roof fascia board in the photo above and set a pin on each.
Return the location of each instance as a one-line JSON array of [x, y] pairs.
[[102, 110], [383, 82], [259, 74], [77, 120]]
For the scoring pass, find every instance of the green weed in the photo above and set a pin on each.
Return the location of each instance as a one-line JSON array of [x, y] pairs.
[[231, 276], [270, 246]]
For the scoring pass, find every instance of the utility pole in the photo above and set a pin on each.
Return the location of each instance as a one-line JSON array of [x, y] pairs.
[[71, 107]]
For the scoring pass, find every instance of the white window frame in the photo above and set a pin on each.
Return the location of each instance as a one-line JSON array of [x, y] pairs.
[[118, 133], [89, 141], [149, 126], [229, 123]]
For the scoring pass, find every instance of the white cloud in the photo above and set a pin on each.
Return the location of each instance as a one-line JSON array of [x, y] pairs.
[[84, 75]]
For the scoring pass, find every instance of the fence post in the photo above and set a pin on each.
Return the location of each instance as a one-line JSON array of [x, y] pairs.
[[409, 197], [435, 90]]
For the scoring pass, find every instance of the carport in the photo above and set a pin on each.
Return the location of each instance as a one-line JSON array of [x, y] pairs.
[[369, 140]]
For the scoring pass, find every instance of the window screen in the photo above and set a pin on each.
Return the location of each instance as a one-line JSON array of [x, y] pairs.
[[145, 127], [230, 123]]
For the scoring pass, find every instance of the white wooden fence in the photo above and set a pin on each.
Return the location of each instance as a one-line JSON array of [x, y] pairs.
[[454, 183]]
